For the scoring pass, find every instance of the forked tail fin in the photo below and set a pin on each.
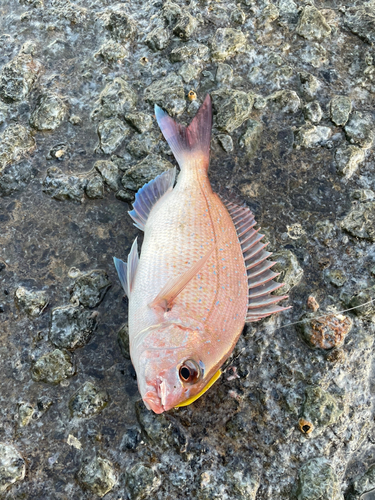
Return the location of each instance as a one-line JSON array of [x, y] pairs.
[[192, 142]]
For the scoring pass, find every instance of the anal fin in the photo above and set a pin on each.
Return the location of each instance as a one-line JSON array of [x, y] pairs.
[[126, 272]]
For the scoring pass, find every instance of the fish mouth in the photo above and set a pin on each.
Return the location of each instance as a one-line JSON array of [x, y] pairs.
[[155, 397]]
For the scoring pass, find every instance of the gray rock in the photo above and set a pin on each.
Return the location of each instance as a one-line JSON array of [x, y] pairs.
[[15, 143], [231, 483], [185, 26], [321, 407], [224, 73], [312, 25], [111, 134], [141, 481], [340, 108], [226, 142], [233, 107], [142, 145], [360, 221], [25, 414], [348, 158], [336, 276], [53, 367], [90, 288], [313, 112], [309, 136], [158, 38], [112, 51], [88, 401], [144, 171], [12, 466], [109, 172], [317, 480], [168, 93], [288, 11], [131, 438], [142, 122], [287, 101], [64, 187], [49, 113], [360, 19], [123, 340], [325, 331], [32, 302], [120, 25], [190, 50], [363, 484], [116, 99], [250, 140], [226, 42], [95, 187], [269, 14], [360, 129], [291, 273], [171, 12], [18, 77], [362, 302], [98, 476], [314, 54], [309, 85], [71, 327], [237, 16], [189, 72]]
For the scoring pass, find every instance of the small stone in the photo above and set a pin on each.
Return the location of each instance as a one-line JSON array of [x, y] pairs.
[[226, 142], [64, 187], [269, 14], [125, 195], [314, 54], [309, 85], [309, 136], [362, 303], [167, 92], [250, 140], [144, 171], [131, 438], [360, 129], [237, 16], [325, 332], [88, 401], [142, 122], [336, 277], [12, 466], [141, 481], [190, 50], [363, 194], [348, 158], [123, 340], [53, 367], [90, 288], [321, 408], [171, 12], [312, 303], [49, 113], [189, 72], [312, 24], [226, 42], [95, 187], [286, 101], [340, 108], [25, 414], [313, 112], [142, 145], [288, 11], [116, 99], [224, 73], [15, 143], [32, 302], [112, 51], [98, 476], [158, 38], [71, 327], [111, 134], [317, 480], [233, 107], [75, 120], [360, 221], [291, 272], [185, 26], [109, 172], [17, 77], [119, 24]]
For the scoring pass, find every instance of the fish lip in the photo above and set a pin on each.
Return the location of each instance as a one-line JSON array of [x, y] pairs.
[[155, 397]]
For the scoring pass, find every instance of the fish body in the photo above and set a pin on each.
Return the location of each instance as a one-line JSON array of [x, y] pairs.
[[188, 290]]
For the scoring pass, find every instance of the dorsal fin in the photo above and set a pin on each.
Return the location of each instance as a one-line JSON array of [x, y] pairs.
[[126, 272], [149, 194], [260, 278]]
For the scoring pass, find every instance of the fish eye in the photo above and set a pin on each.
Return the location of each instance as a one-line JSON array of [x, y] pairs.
[[189, 371]]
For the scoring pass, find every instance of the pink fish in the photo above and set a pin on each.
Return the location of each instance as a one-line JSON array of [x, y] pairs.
[[202, 273]]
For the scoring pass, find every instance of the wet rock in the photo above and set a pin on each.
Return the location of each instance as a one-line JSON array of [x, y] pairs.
[[88, 401], [190, 50], [291, 272], [144, 171], [158, 38], [141, 481], [98, 476], [112, 51], [12, 466], [142, 145], [189, 72], [233, 107], [64, 187], [250, 140], [186, 26], [309, 136], [312, 25], [25, 414], [32, 302], [226, 42], [168, 93], [340, 108], [317, 480], [363, 484], [142, 122], [71, 327], [360, 129], [313, 112], [90, 288], [15, 143], [348, 158], [325, 332], [119, 24], [287, 101], [53, 367], [49, 113], [360, 19], [117, 99], [309, 85], [224, 73], [226, 142], [131, 438], [360, 221], [95, 187], [123, 340], [111, 134], [18, 77], [109, 172]]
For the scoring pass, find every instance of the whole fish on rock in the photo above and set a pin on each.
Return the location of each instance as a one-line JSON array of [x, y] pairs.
[[202, 273]]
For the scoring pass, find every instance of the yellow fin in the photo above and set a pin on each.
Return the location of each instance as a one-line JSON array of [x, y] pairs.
[[187, 402]]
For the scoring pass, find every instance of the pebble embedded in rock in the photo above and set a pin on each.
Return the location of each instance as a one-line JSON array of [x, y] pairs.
[[49, 113], [32, 302], [144, 171], [18, 77], [336, 277], [12, 466], [71, 327], [226, 142], [158, 38], [321, 407], [15, 143], [98, 476], [317, 480], [286, 101], [116, 99], [109, 172], [53, 367], [309, 85], [131, 438], [360, 221], [233, 107], [363, 484], [95, 187], [111, 134], [250, 140], [141, 481], [224, 73], [168, 93], [25, 414], [312, 25], [226, 42], [142, 145], [325, 331], [359, 19], [88, 401], [313, 112], [64, 187], [123, 340], [189, 72], [112, 51], [142, 122], [192, 50], [309, 136], [90, 288], [360, 129], [348, 158], [237, 16], [291, 273], [362, 303], [185, 26], [120, 25], [340, 108]]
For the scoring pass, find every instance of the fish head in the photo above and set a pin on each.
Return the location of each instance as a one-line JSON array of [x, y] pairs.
[[170, 374]]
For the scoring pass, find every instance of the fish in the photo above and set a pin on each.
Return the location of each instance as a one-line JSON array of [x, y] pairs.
[[203, 272]]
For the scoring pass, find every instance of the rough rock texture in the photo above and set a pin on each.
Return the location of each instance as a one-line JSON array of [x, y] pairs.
[[33, 302], [293, 87]]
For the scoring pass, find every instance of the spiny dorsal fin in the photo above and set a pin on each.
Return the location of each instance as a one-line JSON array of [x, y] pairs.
[[126, 272], [260, 278]]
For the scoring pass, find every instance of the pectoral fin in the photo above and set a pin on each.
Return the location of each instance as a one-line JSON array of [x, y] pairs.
[[175, 285], [187, 402]]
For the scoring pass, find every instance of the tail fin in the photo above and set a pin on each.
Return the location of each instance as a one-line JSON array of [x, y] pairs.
[[188, 142]]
